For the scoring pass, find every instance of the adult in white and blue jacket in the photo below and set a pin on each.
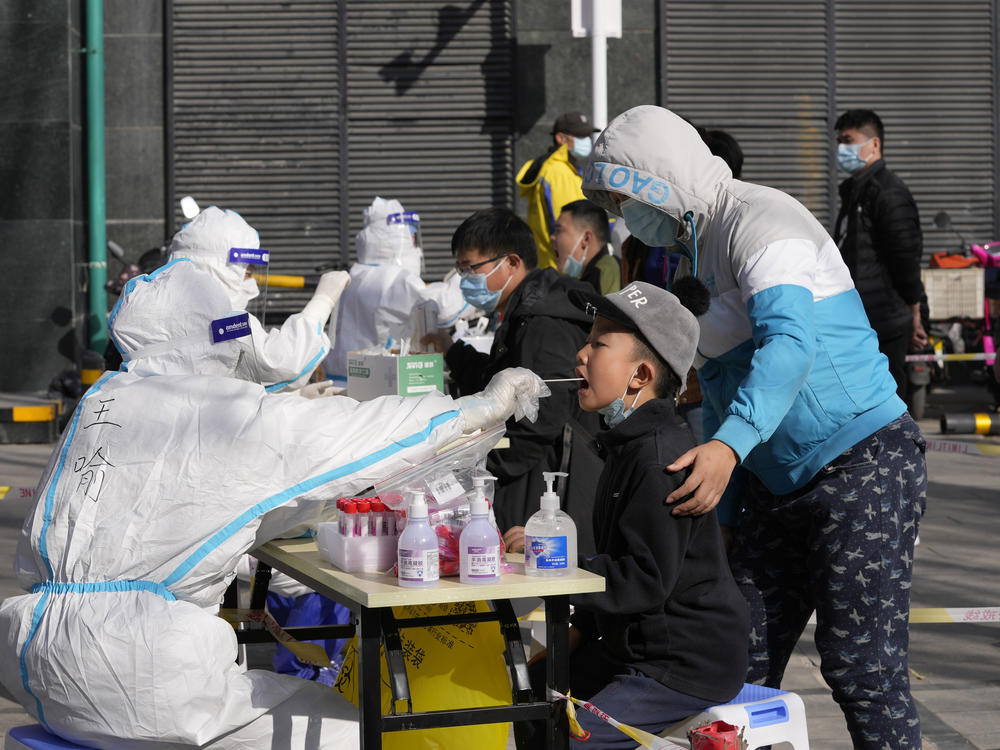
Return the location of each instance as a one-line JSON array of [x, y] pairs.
[[168, 473], [797, 392]]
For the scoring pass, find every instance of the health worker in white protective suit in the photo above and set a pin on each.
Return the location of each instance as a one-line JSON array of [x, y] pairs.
[[386, 287], [222, 243], [169, 471]]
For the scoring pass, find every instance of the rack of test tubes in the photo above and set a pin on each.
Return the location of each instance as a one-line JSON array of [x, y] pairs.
[[362, 539]]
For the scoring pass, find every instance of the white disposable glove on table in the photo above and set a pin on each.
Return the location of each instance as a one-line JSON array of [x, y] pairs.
[[511, 392], [331, 285]]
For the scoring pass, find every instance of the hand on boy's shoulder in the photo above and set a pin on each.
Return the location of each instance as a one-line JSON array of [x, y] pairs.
[[711, 464]]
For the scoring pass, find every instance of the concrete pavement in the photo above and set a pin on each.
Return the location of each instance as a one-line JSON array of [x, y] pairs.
[[955, 667]]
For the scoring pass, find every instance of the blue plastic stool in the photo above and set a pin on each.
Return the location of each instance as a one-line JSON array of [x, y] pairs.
[[34, 737], [766, 716]]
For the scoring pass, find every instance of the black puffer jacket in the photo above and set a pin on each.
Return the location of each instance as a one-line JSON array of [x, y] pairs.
[[670, 607], [878, 233], [541, 330]]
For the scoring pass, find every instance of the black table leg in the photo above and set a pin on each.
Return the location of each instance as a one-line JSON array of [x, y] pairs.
[[370, 685], [557, 668]]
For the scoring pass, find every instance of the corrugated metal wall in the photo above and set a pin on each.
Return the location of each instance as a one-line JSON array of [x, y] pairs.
[[298, 113], [776, 75]]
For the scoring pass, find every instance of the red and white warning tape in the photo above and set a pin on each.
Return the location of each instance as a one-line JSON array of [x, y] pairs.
[[16, 493]]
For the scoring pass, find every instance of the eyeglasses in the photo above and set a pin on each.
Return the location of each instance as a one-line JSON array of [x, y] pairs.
[[465, 270]]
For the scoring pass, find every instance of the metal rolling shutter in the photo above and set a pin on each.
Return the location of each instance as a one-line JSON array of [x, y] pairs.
[[776, 75], [430, 118], [298, 113], [927, 68], [757, 70], [255, 121]]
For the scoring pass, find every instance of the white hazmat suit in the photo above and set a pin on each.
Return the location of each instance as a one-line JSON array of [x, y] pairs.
[[286, 356], [385, 288], [162, 480]]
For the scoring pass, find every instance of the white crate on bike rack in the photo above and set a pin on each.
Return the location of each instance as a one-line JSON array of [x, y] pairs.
[[954, 292]]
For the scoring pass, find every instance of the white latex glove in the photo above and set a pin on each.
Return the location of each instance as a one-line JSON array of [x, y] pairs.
[[331, 285], [321, 389], [511, 392]]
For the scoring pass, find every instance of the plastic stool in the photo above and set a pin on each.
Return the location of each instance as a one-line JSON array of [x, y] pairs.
[[767, 716], [34, 737]]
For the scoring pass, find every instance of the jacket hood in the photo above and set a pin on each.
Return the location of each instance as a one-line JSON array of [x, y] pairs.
[[545, 291], [162, 324], [207, 240], [650, 154], [385, 242]]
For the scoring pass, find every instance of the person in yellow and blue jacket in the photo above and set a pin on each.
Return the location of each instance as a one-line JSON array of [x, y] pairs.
[[553, 179]]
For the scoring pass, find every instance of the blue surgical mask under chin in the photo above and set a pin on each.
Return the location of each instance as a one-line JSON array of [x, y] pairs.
[[849, 157], [615, 413], [654, 227], [582, 146], [477, 294]]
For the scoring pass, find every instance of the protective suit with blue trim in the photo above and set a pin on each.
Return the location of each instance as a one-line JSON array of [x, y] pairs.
[[386, 286], [169, 471], [286, 356]]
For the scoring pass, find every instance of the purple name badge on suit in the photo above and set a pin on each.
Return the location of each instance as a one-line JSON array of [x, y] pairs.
[[249, 255], [233, 327]]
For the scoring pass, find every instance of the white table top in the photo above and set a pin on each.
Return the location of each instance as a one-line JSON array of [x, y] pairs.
[[300, 559]]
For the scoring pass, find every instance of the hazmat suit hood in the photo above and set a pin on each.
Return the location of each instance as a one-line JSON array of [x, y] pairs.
[[383, 242], [162, 325], [650, 154], [207, 240]]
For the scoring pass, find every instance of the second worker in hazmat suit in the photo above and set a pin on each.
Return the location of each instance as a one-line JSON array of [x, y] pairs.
[[223, 244], [386, 287], [169, 471]]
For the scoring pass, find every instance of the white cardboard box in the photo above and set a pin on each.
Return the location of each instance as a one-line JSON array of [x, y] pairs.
[[370, 375]]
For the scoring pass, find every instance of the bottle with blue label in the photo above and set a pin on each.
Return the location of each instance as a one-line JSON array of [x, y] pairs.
[[417, 549], [550, 536], [479, 544]]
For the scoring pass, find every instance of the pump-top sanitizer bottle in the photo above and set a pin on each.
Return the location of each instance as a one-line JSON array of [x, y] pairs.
[[417, 549], [479, 544], [550, 536]]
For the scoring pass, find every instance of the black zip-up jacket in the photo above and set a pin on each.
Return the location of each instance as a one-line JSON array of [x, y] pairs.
[[542, 331], [670, 607], [882, 245]]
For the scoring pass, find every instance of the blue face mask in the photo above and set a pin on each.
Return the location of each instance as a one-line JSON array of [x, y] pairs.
[[573, 267], [475, 291], [652, 226], [582, 146], [849, 157], [615, 413]]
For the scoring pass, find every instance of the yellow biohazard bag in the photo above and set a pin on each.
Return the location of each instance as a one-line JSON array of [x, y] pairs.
[[453, 666]]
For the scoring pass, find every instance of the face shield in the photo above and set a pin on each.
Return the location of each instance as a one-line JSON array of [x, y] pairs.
[[410, 253], [255, 265]]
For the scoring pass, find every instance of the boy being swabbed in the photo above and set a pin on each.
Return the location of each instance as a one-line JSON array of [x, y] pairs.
[[668, 636]]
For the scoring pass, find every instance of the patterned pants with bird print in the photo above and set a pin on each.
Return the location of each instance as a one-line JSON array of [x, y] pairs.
[[841, 546]]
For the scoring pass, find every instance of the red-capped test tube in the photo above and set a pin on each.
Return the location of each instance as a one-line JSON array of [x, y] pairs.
[[350, 517], [362, 522]]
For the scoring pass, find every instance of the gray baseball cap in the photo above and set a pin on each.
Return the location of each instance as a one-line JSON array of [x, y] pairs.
[[669, 328]]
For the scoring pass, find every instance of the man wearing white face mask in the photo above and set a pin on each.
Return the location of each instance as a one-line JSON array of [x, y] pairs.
[[580, 242], [878, 233], [222, 243], [553, 179]]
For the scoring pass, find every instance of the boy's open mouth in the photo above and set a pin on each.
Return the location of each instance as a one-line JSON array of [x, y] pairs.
[[584, 385]]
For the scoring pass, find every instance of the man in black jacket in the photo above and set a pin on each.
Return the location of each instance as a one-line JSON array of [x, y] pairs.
[[878, 233], [539, 329]]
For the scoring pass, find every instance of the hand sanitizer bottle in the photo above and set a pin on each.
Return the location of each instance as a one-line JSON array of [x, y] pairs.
[[550, 536], [479, 544], [417, 549]]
